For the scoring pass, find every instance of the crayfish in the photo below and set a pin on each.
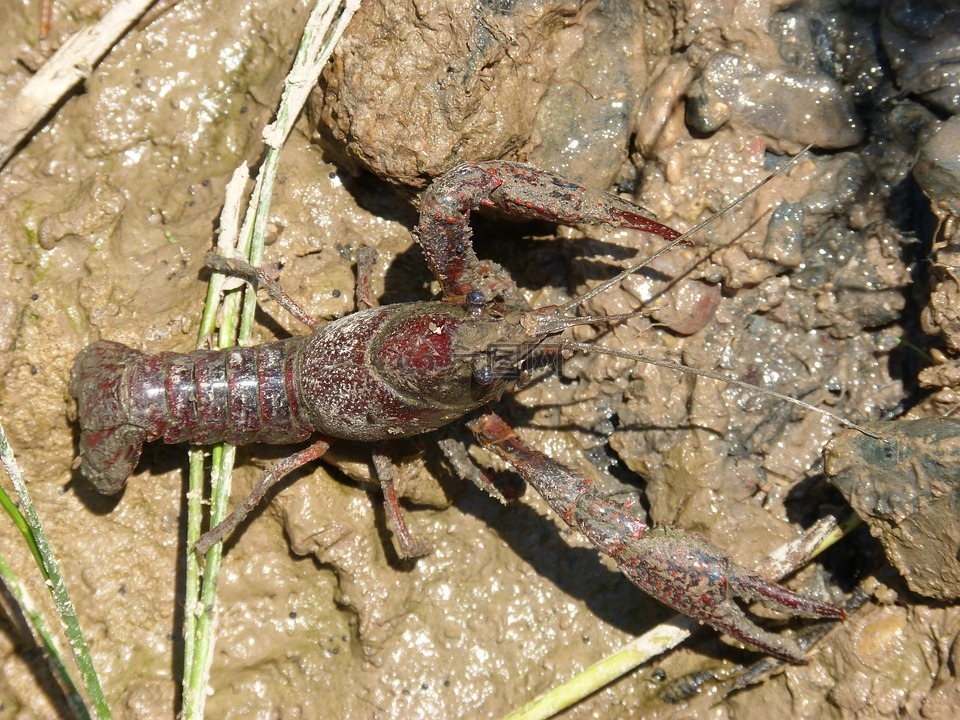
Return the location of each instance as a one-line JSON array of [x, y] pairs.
[[405, 369]]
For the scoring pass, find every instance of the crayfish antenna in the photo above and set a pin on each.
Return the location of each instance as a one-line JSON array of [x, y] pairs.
[[543, 322], [713, 375], [615, 280]]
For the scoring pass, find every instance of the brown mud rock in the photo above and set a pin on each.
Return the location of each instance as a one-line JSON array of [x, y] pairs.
[[906, 487], [415, 88], [921, 44], [776, 100], [938, 173]]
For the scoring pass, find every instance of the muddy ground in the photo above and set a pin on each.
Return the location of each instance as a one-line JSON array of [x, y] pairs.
[[816, 287]]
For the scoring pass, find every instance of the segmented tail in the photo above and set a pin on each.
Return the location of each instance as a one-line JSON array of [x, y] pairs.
[[109, 445]]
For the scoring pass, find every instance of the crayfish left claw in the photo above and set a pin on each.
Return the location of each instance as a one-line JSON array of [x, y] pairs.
[[696, 578], [678, 568], [749, 586]]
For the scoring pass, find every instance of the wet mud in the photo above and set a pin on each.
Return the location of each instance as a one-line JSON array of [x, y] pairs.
[[835, 284]]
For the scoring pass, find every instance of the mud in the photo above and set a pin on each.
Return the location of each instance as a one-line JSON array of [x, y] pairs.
[[904, 487], [811, 287]]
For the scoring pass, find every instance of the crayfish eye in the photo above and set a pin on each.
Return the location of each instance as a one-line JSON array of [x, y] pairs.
[[475, 298], [483, 372]]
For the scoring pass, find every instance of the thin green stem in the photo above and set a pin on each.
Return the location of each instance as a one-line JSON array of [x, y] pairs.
[[13, 511], [236, 327], [54, 656], [54, 580]]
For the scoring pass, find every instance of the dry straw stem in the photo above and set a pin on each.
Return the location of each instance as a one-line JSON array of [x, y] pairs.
[[71, 64], [236, 322]]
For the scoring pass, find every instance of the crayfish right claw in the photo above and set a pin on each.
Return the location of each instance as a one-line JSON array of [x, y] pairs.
[[776, 597], [722, 583], [678, 568]]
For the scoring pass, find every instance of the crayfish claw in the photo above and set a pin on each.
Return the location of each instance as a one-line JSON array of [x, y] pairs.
[[679, 568], [731, 620], [748, 586], [776, 597], [698, 579]]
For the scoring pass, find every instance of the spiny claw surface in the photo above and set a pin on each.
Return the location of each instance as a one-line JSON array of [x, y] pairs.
[[444, 228], [696, 578], [678, 568]]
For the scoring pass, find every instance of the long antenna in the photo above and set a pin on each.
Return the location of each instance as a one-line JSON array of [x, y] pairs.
[[548, 321], [713, 375], [577, 302]]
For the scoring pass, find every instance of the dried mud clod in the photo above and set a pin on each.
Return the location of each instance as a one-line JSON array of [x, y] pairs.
[[906, 487], [937, 172], [411, 91]]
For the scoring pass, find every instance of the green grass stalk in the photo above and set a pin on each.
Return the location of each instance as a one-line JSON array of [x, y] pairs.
[[236, 327], [63, 605]]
